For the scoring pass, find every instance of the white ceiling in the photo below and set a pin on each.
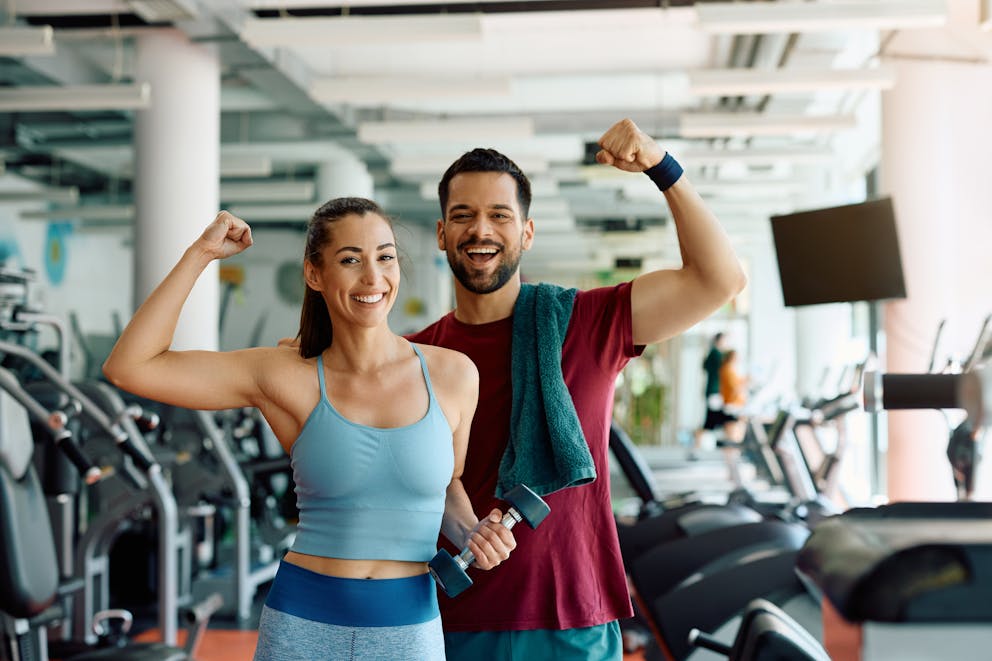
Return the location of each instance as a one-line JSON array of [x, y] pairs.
[[295, 87]]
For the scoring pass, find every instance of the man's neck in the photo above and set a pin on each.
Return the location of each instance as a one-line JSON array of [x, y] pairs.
[[472, 308]]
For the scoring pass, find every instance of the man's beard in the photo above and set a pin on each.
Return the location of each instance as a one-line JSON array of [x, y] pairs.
[[478, 284]]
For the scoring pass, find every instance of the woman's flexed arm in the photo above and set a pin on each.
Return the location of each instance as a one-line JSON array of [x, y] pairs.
[[141, 361]]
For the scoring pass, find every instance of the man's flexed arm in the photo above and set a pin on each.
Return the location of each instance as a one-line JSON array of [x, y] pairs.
[[668, 301]]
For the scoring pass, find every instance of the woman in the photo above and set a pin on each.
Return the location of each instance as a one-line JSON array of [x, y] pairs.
[[733, 390], [376, 427]]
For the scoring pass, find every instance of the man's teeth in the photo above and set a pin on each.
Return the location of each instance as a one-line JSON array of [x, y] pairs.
[[481, 251], [368, 299]]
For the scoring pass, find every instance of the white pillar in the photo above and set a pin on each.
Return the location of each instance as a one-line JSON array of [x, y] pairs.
[[176, 179], [345, 176], [823, 341], [936, 156]]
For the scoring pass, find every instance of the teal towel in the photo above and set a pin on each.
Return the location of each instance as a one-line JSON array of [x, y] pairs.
[[547, 450]]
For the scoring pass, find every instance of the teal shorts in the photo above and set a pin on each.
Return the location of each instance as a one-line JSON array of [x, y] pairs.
[[599, 643]]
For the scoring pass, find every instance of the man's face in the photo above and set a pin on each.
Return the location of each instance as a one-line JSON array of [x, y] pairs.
[[483, 232]]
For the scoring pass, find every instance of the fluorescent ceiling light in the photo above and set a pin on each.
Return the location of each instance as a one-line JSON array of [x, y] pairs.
[[544, 187], [118, 160], [374, 90], [84, 212], [446, 130], [550, 224], [360, 30], [26, 40], [260, 213], [755, 156], [267, 191], [643, 188], [244, 165], [163, 11], [750, 208], [768, 17], [716, 125], [69, 195], [743, 82], [551, 207], [75, 97], [737, 188], [432, 166]]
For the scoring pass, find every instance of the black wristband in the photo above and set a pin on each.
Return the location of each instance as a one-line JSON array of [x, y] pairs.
[[665, 173]]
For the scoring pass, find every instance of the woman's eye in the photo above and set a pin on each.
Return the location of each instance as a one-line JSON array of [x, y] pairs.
[[387, 258], [349, 260]]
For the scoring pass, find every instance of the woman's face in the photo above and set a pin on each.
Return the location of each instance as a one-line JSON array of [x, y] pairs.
[[360, 275]]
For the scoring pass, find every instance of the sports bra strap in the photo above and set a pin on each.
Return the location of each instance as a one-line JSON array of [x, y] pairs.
[[423, 368], [320, 375]]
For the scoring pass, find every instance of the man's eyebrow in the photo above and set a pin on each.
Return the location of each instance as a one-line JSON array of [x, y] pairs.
[[359, 250]]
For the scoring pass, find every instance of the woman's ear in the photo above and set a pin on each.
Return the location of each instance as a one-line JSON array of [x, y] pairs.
[[310, 275]]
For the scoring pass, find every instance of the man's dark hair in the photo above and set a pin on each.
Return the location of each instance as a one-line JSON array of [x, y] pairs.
[[486, 160]]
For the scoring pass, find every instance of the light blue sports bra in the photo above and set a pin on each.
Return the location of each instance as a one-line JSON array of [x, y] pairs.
[[370, 493]]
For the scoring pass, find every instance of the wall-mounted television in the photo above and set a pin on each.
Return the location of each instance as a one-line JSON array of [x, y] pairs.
[[839, 254]]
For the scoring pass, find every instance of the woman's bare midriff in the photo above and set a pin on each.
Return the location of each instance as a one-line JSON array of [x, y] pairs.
[[356, 568]]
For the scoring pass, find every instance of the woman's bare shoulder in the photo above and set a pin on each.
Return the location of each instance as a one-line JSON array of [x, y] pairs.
[[449, 364]]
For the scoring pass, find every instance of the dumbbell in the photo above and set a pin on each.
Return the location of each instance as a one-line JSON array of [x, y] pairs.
[[450, 573]]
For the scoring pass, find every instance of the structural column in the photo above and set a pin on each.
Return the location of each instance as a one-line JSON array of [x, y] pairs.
[[936, 156], [177, 169], [345, 176], [823, 342]]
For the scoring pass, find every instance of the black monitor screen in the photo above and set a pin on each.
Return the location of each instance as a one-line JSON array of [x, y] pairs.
[[839, 254]]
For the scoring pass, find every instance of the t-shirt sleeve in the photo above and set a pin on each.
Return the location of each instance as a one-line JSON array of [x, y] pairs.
[[428, 335], [603, 316]]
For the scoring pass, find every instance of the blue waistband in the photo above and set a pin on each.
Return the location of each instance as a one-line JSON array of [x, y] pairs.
[[353, 602]]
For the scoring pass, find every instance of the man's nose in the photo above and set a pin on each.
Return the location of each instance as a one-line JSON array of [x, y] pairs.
[[480, 225]]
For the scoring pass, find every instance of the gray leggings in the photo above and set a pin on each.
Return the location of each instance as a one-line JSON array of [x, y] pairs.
[[284, 637], [313, 617]]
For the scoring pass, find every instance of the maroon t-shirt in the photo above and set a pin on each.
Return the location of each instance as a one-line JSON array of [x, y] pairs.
[[567, 573]]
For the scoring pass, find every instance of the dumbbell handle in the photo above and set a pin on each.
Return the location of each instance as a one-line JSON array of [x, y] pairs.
[[510, 519]]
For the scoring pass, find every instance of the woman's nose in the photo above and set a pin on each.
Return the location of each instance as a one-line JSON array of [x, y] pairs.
[[369, 272]]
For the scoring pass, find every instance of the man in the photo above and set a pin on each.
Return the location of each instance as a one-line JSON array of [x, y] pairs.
[[560, 594]]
